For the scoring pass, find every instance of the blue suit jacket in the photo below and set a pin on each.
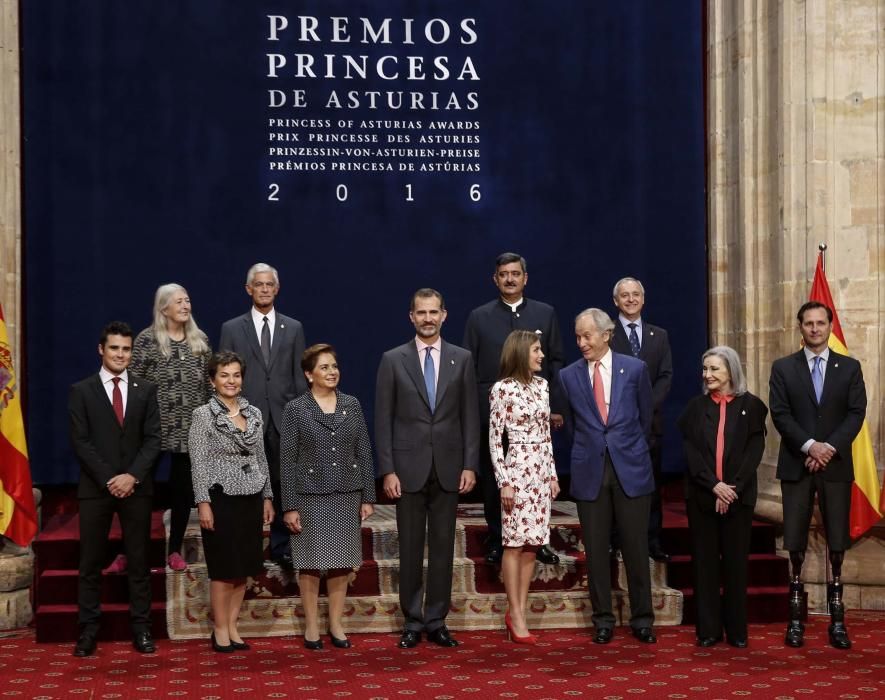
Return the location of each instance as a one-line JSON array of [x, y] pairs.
[[625, 435]]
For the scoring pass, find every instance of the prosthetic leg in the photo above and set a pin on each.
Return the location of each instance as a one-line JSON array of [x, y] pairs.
[[795, 636], [837, 632]]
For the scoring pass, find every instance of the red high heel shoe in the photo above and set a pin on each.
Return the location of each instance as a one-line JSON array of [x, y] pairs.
[[512, 636]]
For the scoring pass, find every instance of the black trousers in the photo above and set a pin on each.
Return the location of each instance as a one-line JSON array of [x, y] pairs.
[[631, 516], [491, 496], [279, 533], [431, 512], [720, 550], [834, 498], [181, 498], [96, 515], [655, 513]]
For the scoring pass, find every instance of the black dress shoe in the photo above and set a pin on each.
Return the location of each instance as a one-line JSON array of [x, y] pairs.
[[339, 643], [494, 554], [240, 646], [795, 636], [86, 644], [313, 644], [222, 649], [546, 555], [839, 636], [738, 642], [143, 643], [658, 554], [603, 635], [708, 641], [409, 639], [645, 635], [441, 637]]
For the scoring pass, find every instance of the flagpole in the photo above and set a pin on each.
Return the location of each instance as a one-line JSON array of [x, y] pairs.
[[822, 248]]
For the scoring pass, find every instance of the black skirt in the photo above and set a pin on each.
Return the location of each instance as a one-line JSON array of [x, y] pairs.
[[234, 548]]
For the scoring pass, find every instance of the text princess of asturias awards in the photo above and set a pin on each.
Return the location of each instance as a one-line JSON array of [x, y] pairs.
[[324, 35]]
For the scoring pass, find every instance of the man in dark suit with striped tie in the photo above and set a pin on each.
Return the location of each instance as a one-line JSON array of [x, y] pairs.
[[115, 433], [633, 336], [818, 403]]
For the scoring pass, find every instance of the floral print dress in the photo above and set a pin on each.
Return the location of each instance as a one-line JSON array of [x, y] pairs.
[[523, 411]]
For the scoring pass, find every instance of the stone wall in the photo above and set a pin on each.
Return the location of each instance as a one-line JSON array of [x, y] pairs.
[[796, 142]]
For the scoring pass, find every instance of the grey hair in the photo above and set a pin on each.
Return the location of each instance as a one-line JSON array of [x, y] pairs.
[[601, 320], [733, 364], [262, 267], [624, 280], [193, 336]]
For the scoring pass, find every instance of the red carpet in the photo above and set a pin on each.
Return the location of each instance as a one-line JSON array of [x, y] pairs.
[[565, 665]]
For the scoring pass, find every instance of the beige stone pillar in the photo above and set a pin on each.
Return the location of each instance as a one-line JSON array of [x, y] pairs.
[[796, 142], [10, 175]]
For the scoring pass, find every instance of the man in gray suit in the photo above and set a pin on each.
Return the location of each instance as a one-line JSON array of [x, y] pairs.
[[271, 345], [427, 437]]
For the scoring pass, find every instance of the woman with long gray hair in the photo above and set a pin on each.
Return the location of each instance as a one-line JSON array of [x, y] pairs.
[[173, 352]]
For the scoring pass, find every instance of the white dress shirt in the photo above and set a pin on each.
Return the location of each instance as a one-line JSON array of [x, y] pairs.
[[605, 371], [809, 358], [108, 383], [435, 351], [624, 321], [258, 322]]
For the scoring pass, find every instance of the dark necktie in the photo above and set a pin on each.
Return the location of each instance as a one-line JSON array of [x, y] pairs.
[[817, 378], [265, 342], [430, 379], [117, 400], [634, 339]]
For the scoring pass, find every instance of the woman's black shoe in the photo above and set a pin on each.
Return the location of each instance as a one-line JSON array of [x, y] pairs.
[[313, 644], [340, 643], [240, 646], [218, 647]]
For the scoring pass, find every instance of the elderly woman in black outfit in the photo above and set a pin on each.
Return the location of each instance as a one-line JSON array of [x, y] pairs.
[[232, 490], [172, 352], [328, 488], [723, 434]]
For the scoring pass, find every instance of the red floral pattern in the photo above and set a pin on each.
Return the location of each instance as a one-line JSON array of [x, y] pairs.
[[523, 411]]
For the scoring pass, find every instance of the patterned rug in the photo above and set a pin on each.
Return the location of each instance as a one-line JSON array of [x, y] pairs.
[[566, 664], [558, 599]]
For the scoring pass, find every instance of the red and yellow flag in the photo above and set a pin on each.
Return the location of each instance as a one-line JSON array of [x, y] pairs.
[[865, 490], [18, 513]]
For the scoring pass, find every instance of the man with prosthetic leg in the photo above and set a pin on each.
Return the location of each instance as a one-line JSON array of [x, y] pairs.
[[818, 404]]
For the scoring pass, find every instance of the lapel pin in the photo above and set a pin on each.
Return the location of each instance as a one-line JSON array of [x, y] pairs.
[[651, 332], [134, 384], [743, 413], [282, 325], [621, 370], [453, 362], [836, 365], [343, 413]]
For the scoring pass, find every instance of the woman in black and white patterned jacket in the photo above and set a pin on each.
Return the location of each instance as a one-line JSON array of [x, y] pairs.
[[233, 494], [328, 488]]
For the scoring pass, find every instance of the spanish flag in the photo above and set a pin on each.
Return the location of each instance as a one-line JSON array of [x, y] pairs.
[[865, 490], [18, 513]]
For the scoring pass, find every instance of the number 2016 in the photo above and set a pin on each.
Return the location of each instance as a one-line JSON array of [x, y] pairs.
[[342, 193]]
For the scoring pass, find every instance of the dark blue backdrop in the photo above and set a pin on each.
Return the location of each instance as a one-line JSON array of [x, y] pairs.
[[145, 128]]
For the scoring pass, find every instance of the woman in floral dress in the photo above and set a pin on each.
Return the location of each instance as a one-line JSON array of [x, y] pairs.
[[525, 471]]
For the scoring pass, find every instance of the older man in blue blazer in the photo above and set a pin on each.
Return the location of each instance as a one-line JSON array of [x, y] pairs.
[[610, 401]]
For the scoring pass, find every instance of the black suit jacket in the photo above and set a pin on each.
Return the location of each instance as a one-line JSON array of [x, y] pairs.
[[744, 445], [410, 439], [268, 387], [798, 417], [654, 350], [104, 448]]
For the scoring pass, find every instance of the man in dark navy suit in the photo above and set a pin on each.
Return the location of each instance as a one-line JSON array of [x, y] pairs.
[[634, 336], [610, 401], [115, 433], [818, 403], [271, 345]]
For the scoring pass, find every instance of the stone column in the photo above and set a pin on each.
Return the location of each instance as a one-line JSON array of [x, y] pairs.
[[10, 175], [796, 143]]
